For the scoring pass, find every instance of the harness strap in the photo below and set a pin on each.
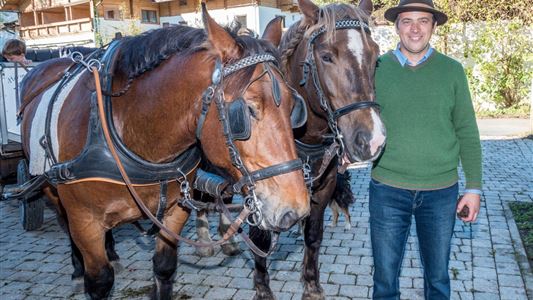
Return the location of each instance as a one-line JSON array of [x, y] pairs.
[[160, 208], [231, 231], [354, 106], [278, 169], [245, 236]]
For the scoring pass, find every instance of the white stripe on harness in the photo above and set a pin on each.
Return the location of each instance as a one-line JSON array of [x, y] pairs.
[[38, 163]]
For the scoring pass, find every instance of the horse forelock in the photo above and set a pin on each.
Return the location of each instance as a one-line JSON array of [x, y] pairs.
[[328, 15], [334, 12], [249, 46]]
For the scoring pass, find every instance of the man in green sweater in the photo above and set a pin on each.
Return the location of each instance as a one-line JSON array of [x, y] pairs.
[[431, 127]]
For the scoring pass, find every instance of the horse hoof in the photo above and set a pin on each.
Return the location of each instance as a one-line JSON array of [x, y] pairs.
[[348, 226], [78, 285], [117, 266], [205, 251], [231, 249]]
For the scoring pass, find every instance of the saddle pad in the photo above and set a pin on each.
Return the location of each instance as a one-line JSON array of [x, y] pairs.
[[38, 163]]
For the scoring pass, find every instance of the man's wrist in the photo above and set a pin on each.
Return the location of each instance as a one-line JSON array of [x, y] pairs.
[[473, 191]]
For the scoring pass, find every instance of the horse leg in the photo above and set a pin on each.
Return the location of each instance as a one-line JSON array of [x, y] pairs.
[[75, 254], [262, 240], [347, 218], [112, 255], [202, 230], [77, 258], [334, 214], [165, 257], [99, 274], [313, 234], [231, 247]]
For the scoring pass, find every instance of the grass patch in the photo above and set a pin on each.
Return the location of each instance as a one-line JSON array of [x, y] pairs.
[[512, 112], [523, 216]]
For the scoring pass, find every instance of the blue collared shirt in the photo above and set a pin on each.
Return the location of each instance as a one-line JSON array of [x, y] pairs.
[[403, 59]]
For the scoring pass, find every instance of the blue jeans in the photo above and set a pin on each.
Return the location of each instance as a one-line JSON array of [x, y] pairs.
[[391, 210]]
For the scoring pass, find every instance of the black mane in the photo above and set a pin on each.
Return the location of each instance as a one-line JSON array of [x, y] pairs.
[[146, 51]]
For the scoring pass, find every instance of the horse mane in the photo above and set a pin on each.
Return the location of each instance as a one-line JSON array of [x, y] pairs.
[[328, 15], [144, 52]]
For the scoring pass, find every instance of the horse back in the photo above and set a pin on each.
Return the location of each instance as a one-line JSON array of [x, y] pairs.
[[41, 78]]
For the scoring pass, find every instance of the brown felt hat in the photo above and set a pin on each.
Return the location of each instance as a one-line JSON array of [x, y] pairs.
[[415, 5]]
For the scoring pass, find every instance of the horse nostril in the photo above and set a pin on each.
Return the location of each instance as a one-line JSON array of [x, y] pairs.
[[361, 140], [288, 220]]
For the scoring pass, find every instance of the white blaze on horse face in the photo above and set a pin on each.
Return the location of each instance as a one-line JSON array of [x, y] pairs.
[[378, 134], [355, 44]]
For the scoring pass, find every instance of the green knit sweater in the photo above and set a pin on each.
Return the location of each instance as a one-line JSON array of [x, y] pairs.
[[430, 124]]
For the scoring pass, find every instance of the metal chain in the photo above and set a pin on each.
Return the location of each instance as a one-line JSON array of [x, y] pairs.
[[77, 57]]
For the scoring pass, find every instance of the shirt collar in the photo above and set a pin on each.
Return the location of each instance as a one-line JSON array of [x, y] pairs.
[[403, 59]]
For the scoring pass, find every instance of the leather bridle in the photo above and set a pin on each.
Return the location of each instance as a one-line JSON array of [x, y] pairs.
[[246, 184], [309, 65]]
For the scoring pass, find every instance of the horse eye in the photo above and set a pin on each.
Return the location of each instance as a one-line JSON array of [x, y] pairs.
[[327, 58]]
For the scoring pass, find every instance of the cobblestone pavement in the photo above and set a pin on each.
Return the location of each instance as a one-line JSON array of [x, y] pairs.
[[487, 262]]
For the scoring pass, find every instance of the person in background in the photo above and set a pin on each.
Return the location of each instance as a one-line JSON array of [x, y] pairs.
[[15, 51], [431, 127]]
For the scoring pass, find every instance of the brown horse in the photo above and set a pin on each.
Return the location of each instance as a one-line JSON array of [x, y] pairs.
[[162, 81], [336, 81]]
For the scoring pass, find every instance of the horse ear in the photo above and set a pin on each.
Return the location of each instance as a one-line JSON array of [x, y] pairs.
[[222, 41], [273, 31], [310, 12], [366, 6]]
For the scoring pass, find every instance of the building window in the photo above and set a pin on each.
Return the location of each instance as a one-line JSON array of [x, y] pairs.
[[149, 16], [242, 21], [183, 2], [112, 13]]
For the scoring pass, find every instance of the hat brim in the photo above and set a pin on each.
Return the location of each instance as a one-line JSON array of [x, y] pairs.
[[392, 13]]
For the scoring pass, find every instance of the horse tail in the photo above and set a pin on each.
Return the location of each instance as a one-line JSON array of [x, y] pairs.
[[343, 195]]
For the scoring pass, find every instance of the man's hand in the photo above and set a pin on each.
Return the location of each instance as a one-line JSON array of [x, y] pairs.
[[472, 202]]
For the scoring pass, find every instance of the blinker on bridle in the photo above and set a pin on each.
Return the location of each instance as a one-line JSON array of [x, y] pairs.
[[309, 65], [248, 179]]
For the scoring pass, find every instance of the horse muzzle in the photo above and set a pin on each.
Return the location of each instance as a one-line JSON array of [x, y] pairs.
[[282, 217], [365, 147]]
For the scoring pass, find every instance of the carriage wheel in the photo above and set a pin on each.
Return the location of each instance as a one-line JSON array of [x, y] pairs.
[[32, 208]]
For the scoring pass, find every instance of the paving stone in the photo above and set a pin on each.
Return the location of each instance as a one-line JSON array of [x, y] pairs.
[[353, 291], [486, 296], [220, 293], [241, 283], [244, 294], [342, 279], [510, 281]]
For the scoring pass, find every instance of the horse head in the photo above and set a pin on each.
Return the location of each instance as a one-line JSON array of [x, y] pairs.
[[337, 76], [258, 138]]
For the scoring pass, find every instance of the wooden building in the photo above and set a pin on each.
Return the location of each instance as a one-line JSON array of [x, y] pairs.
[[53, 23]]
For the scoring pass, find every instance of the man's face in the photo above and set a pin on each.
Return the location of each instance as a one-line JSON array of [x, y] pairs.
[[415, 29]]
